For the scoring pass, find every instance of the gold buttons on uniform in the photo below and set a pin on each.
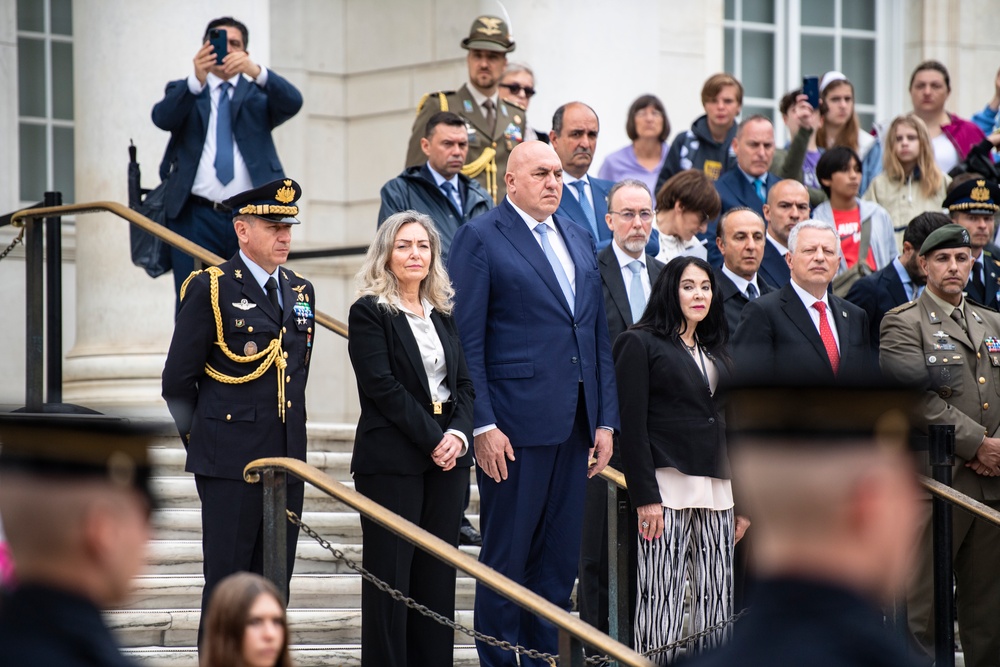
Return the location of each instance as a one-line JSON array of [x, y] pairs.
[[979, 355], [284, 330], [287, 379], [229, 418], [285, 355], [309, 329], [986, 406], [289, 404], [249, 329], [982, 380]]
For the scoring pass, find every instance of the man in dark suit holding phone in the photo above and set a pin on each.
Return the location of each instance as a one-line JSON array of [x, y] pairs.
[[220, 120]]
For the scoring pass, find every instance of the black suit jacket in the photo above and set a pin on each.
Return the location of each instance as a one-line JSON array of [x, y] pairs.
[[733, 300], [734, 190], [773, 268], [225, 426], [776, 338], [877, 294], [396, 432], [616, 305], [991, 279], [669, 417]]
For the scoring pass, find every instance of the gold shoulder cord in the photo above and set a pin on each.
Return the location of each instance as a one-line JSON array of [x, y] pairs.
[[486, 161], [272, 354]]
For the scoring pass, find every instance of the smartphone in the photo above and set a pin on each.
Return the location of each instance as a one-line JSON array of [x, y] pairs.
[[219, 40], [810, 88]]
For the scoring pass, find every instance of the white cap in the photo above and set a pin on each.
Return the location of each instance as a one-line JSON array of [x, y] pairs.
[[829, 78]]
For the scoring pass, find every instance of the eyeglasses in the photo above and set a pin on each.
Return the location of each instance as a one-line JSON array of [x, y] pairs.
[[645, 215], [516, 88]]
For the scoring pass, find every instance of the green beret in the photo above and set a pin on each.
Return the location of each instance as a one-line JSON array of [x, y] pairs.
[[945, 237]]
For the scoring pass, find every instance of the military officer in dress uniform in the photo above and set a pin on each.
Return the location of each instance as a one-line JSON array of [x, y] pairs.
[[974, 205], [75, 503], [495, 126], [235, 377], [949, 346]]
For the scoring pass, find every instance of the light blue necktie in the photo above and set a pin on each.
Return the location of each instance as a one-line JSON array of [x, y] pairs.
[[452, 194], [758, 184], [557, 266], [224, 137], [751, 292], [588, 210], [636, 295]]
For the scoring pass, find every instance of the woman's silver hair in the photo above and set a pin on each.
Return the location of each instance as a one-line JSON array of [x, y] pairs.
[[375, 279], [514, 68], [793, 236]]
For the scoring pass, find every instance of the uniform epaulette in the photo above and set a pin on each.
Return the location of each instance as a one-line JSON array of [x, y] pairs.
[[515, 105], [184, 285], [299, 275], [442, 100], [980, 305], [901, 308]]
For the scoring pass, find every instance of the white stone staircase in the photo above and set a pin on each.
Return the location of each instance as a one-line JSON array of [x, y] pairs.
[[159, 624]]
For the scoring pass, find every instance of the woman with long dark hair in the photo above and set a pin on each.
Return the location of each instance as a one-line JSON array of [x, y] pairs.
[[673, 444], [246, 625]]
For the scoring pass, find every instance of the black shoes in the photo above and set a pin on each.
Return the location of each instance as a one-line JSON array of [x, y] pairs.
[[469, 536]]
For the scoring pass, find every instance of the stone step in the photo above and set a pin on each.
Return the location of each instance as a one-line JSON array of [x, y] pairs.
[[308, 591], [185, 557], [169, 462], [179, 627], [320, 437], [185, 524], [302, 656], [180, 492]]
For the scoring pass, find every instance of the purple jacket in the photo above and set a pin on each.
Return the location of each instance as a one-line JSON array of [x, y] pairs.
[[964, 134]]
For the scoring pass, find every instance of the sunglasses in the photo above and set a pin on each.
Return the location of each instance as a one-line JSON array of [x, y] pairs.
[[516, 88]]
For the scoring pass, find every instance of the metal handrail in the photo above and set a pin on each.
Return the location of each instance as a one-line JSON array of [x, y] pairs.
[[449, 554], [206, 257]]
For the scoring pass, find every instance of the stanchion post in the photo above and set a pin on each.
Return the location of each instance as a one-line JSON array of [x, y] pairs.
[[53, 302], [570, 650], [941, 448], [276, 530], [34, 372], [619, 567]]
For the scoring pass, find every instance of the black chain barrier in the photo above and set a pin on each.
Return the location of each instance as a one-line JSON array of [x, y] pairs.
[[13, 244], [475, 634]]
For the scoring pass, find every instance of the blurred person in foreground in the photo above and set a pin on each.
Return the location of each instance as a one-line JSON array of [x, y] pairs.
[[669, 366], [247, 625], [411, 451], [826, 475], [75, 501]]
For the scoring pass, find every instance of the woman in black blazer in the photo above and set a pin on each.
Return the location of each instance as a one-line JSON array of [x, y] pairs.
[[411, 450], [673, 446]]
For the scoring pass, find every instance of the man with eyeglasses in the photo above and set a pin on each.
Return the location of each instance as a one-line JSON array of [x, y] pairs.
[[787, 205], [517, 86], [585, 198], [628, 273], [495, 126]]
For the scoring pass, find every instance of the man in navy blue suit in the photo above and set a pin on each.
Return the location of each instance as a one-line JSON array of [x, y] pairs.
[[584, 198], [749, 183], [211, 156], [530, 313], [901, 281], [787, 205]]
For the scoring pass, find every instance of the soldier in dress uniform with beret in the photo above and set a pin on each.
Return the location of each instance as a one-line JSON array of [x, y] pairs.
[[495, 126], [235, 377], [75, 502], [974, 204], [949, 346]]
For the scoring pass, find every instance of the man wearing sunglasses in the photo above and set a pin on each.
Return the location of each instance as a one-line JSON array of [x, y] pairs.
[[517, 86], [495, 126]]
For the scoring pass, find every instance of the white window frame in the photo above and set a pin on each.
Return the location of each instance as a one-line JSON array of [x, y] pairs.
[[47, 37]]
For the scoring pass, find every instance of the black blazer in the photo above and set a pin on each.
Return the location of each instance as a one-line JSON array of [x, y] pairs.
[[396, 432], [669, 417], [777, 339], [616, 305], [733, 300], [877, 294], [773, 267]]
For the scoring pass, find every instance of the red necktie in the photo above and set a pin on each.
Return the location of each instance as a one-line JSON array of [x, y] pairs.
[[826, 334]]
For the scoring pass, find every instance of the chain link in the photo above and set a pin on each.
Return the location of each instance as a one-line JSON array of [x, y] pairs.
[[18, 239], [475, 634]]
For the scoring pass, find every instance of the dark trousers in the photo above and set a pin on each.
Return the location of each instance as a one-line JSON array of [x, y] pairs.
[[392, 634], [232, 524], [211, 229], [531, 524]]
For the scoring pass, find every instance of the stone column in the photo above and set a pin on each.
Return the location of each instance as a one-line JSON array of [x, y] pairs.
[[124, 54]]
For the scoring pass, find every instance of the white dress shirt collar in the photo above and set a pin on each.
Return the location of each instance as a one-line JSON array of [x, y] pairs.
[[480, 98], [259, 274], [808, 299], [741, 282], [777, 245], [624, 259]]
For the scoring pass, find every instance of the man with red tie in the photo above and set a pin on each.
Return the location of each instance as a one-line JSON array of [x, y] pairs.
[[801, 332]]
